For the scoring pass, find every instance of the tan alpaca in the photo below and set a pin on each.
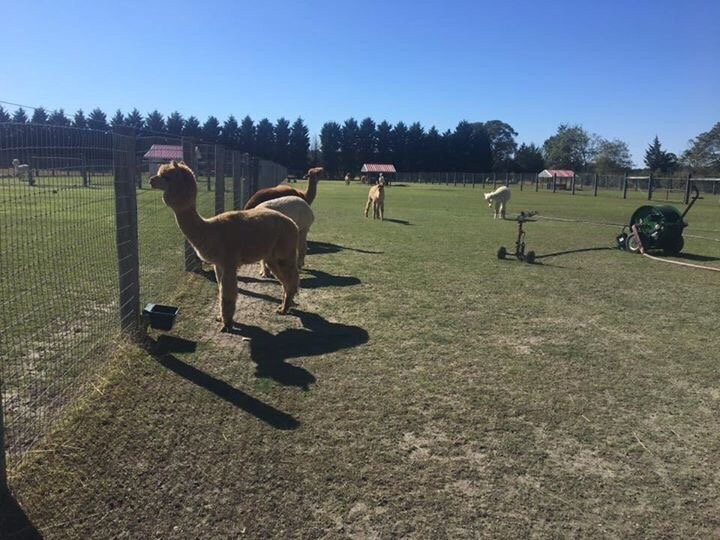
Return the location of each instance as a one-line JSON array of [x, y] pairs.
[[376, 199], [283, 190], [300, 212], [231, 239]]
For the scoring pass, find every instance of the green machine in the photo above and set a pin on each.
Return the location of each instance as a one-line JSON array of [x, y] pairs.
[[656, 227]]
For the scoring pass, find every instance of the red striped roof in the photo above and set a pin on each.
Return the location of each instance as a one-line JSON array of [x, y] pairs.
[[164, 151], [549, 173], [378, 167]]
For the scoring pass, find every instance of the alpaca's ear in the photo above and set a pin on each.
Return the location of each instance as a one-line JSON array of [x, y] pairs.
[[182, 162]]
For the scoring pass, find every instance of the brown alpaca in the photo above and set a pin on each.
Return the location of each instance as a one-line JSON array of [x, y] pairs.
[[376, 198], [283, 190], [231, 239]]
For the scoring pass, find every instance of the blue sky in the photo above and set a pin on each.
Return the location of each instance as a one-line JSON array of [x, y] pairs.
[[625, 70]]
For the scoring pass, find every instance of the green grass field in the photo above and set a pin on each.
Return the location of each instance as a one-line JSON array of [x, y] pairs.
[[421, 387], [59, 287]]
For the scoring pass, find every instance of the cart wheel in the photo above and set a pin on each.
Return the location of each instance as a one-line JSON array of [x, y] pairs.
[[530, 257], [632, 244], [501, 252], [674, 246]]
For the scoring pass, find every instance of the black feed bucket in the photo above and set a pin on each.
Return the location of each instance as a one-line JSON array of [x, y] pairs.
[[160, 317]]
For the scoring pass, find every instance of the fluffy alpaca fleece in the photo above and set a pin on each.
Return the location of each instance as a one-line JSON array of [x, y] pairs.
[[300, 212], [376, 199], [231, 239], [499, 199], [283, 190]]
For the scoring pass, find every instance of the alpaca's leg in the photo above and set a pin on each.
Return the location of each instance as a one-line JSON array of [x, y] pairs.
[[286, 271], [502, 209], [381, 207], [367, 206], [302, 247], [218, 280], [228, 291], [497, 209]]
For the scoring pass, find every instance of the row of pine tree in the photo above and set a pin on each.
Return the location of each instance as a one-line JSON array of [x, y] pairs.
[[342, 148]]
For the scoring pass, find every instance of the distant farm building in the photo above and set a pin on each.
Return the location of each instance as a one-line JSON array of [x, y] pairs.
[[373, 170], [162, 153], [563, 177]]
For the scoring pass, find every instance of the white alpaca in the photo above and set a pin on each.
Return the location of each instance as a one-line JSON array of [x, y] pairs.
[[300, 212], [22, 170], [499, 199]]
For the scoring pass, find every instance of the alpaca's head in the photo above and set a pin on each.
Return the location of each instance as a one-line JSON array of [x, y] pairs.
[[15, 162], [177, 182], [489, 198], [313, 173]]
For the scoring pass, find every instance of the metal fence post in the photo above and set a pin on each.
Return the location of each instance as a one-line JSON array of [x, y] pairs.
[[494, 180], [219, 179], [595, 185], [84, 173], [126, 227], [686, 198], [554, 183], [537, 182], [625, 184], [4, 488], [192, 262], [507, 178], [650, 188], [572, 184], [254, 176], [236, 181]]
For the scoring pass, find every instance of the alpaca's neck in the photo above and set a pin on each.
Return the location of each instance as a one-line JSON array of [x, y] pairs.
[[311, 191], [191, 224], [16, 167]]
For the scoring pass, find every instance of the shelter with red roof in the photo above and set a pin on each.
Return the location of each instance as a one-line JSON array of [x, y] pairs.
[[162, 153], [373, 170], [562, 177]]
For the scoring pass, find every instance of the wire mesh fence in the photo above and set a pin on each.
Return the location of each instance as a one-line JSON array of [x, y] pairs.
[[84, 242], [58, 271], [651, 187]]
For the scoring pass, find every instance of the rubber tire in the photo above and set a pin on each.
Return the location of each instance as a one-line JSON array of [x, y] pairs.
[[530, 257], [675, 247], [501, 252], [632, 245]]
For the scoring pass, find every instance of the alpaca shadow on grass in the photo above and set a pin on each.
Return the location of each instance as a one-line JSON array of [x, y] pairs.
[[569, 251], [318, 336], [14, 523], [398, 221], [318, 280], [210, 276], [161, 350], [322, 248], [323, 279]]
